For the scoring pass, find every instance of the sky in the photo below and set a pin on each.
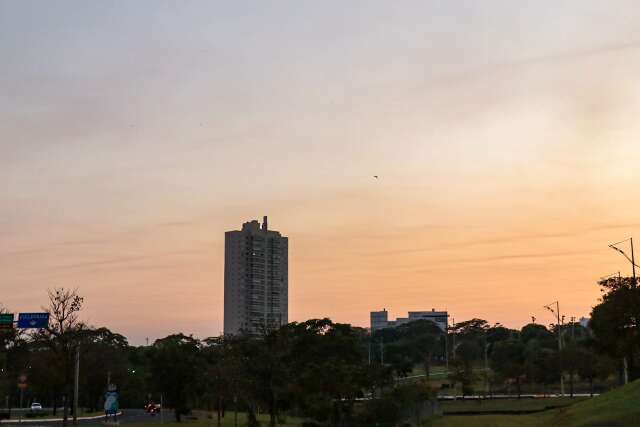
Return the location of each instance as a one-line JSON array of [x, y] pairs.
[[134, 134]]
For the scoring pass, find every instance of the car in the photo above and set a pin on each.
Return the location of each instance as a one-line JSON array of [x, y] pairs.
[[152, 408], [36, 406]]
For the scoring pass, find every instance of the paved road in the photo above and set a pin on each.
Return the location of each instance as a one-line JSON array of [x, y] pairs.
[[128, 416]]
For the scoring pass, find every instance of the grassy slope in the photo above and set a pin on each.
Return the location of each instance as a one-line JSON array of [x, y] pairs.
[[618, 408], [508, 404], [227, 421]]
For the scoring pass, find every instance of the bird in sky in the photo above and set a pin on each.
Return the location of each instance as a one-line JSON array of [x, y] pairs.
[[375, 176]]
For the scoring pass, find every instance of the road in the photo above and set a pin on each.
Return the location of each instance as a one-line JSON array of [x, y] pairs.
[[128, 416]]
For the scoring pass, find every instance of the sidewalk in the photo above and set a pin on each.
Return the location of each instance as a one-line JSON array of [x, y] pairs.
[[48, 420]]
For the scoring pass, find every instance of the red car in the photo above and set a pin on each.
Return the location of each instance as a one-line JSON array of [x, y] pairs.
[[152, 408]]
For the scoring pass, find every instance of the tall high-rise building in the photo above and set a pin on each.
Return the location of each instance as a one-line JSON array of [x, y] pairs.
[[256, 279]]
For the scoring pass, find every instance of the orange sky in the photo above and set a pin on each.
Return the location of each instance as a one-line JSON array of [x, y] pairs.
[[505, 138]]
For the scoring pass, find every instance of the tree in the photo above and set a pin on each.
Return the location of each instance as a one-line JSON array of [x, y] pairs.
[[422, 339], [400, 357], [542, 365], [217, 383], [176, 368], [615, 321], [326, 368], [14, 359], [103, 354], [61, 338], [412, 398], [470, 329], [459, 373], [542, 336], [507, 360], [470, 337], [590, 364]]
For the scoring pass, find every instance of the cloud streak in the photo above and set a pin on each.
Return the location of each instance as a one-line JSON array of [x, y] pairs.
[[507, 240]]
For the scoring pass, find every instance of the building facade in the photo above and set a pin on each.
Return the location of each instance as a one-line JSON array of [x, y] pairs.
[[256, 279], [380, 319]]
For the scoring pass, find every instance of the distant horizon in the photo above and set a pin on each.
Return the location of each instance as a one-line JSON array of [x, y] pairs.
[[140, 341], [474, 158]]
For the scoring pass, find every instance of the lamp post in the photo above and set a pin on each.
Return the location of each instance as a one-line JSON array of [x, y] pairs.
[[76, 387], [556, 312], [631, 259]]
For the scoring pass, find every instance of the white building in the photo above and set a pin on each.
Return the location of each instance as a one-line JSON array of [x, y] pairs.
[[380, 319], [256, 279], [584, 322]]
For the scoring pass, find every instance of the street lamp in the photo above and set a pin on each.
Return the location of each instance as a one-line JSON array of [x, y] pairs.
[[631, 259], [556, 313]]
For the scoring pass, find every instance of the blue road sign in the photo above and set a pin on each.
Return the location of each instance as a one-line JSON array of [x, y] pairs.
[[111, 405], [33, 320]]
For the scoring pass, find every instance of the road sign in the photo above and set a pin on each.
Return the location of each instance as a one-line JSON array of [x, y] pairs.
[[22, 381], [33, 320], [6, 321], [111, 405]]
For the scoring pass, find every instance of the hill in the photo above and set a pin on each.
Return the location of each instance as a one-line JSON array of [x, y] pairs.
[[617, 408]]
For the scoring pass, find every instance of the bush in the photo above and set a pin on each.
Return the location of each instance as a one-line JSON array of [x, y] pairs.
[[381, 412]]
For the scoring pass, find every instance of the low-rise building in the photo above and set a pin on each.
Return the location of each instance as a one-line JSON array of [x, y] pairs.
[[380, 319]]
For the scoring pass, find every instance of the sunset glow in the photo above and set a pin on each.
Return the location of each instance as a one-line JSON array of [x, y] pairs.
[[132, 138]]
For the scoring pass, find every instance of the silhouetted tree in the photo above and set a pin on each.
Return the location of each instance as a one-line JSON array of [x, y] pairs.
[[507, 360], [176, 368], [61, 337], [615, 321]]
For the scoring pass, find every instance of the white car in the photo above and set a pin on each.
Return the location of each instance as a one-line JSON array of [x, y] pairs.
[[36, 406]]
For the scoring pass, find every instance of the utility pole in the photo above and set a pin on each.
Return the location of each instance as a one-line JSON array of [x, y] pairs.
[[446, 347], [625, 372], [632, 260], [76, 384], [633, 263], [22, 395], [453, 350], [486, 364], [573, 340]]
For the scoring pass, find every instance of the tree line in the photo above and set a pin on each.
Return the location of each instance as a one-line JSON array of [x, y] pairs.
[[324, 372]]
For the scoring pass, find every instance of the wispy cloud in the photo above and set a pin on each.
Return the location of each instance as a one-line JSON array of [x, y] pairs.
[[563, 56], [177, 223], [124, 260], [507, 239]]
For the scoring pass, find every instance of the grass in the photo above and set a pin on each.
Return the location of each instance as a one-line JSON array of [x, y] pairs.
[[49, 414], [227, 421], [617, 408], [507, 404], [484, 421]]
